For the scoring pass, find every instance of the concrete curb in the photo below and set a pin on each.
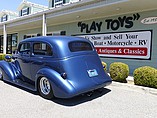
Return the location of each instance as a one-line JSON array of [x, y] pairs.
[[130, 84], [135, 88]]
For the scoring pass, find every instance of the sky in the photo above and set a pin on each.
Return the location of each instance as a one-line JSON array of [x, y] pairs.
[[14, 4]]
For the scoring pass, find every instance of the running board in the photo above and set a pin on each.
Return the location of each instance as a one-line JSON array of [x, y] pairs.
[[21, 83]]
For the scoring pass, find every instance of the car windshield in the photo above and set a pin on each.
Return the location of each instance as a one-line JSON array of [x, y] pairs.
[[76, 46]]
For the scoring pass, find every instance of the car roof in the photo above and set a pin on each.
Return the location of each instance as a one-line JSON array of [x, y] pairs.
[[59, 43], [54, 39]]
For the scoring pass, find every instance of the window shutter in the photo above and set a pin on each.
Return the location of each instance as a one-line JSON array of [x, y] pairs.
[[52, 3], [64, 1], [6, 17], [27, 10], [21, 12]]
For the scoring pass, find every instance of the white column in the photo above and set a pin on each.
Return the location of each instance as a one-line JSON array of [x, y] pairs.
[[44, 28], [4, 39]]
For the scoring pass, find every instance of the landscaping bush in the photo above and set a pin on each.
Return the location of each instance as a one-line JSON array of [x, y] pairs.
[[2, 56], [104, 66], [145, 76], [119, 71]]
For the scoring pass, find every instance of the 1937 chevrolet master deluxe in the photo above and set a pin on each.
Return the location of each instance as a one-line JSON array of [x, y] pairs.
[[59, 66]]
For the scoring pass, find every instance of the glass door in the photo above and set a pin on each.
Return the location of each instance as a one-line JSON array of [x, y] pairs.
[[9, 44]]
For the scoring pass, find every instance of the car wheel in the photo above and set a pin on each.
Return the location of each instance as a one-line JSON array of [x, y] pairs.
[[45, 89], [1, 74]]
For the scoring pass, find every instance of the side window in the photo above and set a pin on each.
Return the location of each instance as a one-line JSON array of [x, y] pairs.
[[42, 49], [24, 48]]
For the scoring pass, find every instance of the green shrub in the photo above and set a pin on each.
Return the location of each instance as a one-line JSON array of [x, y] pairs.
[[119, 71], [2, 56], [104, 66], [145, 76]]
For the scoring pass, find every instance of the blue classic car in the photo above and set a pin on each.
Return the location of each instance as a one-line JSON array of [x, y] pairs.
[[58, 66]]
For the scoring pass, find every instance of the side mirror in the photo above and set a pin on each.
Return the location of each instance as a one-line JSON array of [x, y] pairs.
[[8, 58], [15, 52]]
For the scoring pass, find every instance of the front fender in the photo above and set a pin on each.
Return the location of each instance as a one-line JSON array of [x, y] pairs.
[[61, 88], [7, 70]]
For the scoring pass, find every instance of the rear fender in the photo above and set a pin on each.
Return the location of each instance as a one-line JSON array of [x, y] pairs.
[[7, 69], [61, 87]]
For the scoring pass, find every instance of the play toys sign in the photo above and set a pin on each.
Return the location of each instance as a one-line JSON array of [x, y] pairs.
[[110, 24]]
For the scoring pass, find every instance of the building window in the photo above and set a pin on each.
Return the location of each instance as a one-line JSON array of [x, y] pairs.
[[14, 40], [57, 33], [25, 11], [58, 3], [4, 18], [11, 43], [30, 35]]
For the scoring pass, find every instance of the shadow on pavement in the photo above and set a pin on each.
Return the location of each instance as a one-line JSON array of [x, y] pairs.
[[71, 101], [81, 98]]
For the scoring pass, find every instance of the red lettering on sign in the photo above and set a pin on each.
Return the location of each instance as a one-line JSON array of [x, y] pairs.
[[122, 51]]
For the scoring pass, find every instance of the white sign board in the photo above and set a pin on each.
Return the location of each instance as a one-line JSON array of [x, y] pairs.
[[149, 20], [135, 44]]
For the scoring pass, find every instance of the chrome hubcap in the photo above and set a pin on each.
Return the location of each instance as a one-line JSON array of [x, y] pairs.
[[45, 86]]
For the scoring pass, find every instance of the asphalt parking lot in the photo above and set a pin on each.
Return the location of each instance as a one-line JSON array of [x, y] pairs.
[[113, 102]]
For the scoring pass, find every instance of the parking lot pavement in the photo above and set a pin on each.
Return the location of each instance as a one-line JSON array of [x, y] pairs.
[[113, 102]]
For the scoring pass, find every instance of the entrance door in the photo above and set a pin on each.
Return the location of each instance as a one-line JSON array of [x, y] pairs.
[[9, 44]]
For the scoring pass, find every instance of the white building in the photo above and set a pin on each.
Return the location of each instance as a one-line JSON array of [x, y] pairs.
[[121, 30]]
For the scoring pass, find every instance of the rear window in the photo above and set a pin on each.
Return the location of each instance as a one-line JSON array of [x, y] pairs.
[[76, 46]]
